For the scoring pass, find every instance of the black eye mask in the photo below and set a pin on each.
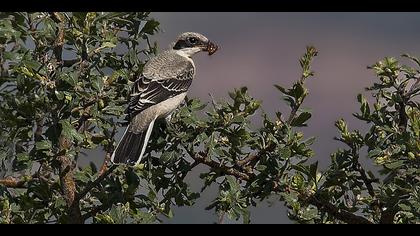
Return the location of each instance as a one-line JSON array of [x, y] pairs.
[[182, 44]]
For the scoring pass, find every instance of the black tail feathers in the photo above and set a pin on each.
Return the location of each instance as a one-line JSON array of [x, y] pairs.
[[129, 148]]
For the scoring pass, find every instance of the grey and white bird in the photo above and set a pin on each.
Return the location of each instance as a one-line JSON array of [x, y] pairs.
[[160, 89]]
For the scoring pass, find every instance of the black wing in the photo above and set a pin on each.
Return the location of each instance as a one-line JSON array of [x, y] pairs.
[[148, 92]]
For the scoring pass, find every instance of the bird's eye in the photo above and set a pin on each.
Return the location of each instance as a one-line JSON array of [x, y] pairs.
[[193, 40]]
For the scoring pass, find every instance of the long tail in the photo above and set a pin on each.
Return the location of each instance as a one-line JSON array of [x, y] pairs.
[[132, 146]]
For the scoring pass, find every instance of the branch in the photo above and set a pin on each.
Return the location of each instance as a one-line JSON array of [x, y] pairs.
[[93, 184], [68, 184], [12, 182], [247, 160], [86, 109], [59, 41], [109, 150], [358, 167], [39, 129], [339, 214], [387, 216], [70, 63], [201, 157], [95, 210], [293, 113], [366, 180], [103, 172]]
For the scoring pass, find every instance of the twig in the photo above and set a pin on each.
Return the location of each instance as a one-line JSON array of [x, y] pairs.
[[247, 160], [109, 150], [339, 214], [93, 184], [358, 167], [202, 158], [59, 41], [66, 163], [12, 182], [387, 216], [366, 180], [95, 210], [221, 217]]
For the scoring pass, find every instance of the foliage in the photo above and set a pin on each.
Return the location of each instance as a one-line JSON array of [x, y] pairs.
[[53, 108]]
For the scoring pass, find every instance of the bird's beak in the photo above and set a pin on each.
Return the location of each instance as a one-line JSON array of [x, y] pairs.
[[210, 47]]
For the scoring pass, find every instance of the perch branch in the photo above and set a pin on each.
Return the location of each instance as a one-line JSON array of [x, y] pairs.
[[201, 157], [339, 214], [13, 182]]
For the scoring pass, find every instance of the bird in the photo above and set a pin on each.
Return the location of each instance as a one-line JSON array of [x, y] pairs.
[[159, 90]]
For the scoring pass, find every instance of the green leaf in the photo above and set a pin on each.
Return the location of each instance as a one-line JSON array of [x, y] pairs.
[[394, 165], [285, 153], [104, 219], [22, 161], [238, 120], [150, 27], [98, 83], [43, 145], [375, 152], [282, 89], [404, 207], [313, 170], [245, 215], [234, 185], [261, 167], [69, 131], [301, 119], [364, 106], [167, 157], [108, 45], [302, 168], [196, 105]]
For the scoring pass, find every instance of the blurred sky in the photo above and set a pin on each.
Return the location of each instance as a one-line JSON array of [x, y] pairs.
[[262, 49]]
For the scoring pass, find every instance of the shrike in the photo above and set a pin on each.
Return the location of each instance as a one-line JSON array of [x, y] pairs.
[[160, 89]]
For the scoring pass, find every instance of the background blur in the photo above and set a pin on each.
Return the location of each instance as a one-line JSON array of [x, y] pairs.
[[262, 49]]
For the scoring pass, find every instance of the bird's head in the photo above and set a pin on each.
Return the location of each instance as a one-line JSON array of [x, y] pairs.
[[191, 43]]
